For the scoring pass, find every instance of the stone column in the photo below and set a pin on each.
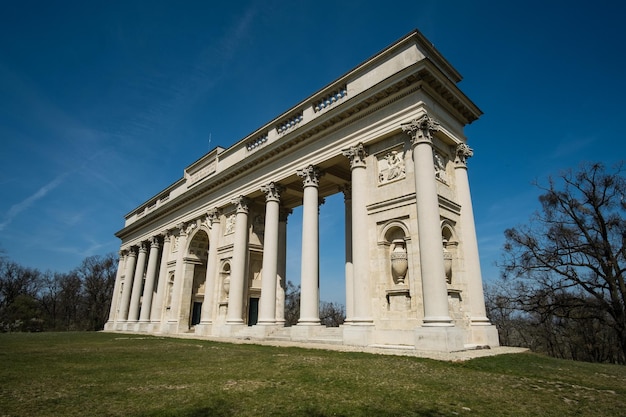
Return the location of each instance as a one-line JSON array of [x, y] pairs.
[[362, 303], [240, 259], [113, 311], [213, 218], [153, 259], [179, 272], [428, 222], [131, 260], [133, 312], [347, 198], [281, 279], [267, 303], [309, 277], [478, 313], [157, 306]]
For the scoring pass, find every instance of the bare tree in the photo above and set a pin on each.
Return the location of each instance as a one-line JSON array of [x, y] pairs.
[[97, 274], [19, 287], [572, 255], [292, 304], [332, 314]]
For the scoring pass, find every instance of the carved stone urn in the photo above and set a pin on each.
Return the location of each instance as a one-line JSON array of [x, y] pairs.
[[399, 261]]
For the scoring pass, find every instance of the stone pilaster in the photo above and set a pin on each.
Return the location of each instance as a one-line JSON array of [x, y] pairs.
[[240, 257], [428, 221], [153, 258], [362, 303], [309, 284], [267, 303]]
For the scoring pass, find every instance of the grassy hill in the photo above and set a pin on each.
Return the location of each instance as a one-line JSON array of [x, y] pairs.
[[79, 374]]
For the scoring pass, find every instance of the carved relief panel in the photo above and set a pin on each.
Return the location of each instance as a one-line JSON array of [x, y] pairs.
[[391, 166]]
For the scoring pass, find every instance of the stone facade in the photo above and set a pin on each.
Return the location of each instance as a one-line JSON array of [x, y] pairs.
[[207, 255]]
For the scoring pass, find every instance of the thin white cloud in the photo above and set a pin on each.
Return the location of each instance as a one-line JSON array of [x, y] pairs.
[[18, 208]]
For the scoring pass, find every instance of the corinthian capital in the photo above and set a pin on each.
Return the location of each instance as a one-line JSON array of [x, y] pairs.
[[213, 216], [310, 176], [272, 191], [242, 204], [421, 130], [356, 155], [463, 152], [155, 242]]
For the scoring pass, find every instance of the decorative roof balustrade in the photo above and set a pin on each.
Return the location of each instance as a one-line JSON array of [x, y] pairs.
[[256, 142], [287, 124], [330, 99]]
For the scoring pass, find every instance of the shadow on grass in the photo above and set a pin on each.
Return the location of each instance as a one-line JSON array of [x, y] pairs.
[[222, 408], [218, 408]]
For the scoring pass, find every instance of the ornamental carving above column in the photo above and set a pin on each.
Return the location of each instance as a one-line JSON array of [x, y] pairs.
[[143, 247], [272, 191], [421, 129], [155, 242], [356, 155], [212, 217], [242, 204], [310, 176], [463, 152]]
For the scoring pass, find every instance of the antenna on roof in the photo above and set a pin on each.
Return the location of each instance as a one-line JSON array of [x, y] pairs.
[[209, 141]]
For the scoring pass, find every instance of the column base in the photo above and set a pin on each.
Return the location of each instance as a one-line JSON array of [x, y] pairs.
[[480, 321], [483, 335], [154, 327], [358, 334], [228, 329], [143, 326], [361, 321], [309, 322], [441, 339], [131, 326], [204, 328], [266, 323], [437, 321]]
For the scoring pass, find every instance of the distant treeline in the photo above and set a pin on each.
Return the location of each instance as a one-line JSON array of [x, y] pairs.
[[34, 301]]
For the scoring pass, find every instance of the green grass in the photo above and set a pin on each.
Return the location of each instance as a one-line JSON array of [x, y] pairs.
[[79, 374]]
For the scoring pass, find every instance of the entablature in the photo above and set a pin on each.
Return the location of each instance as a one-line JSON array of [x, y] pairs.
[[409, 65]]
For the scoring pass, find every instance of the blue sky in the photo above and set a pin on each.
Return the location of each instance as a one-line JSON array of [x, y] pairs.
[[104, 103]]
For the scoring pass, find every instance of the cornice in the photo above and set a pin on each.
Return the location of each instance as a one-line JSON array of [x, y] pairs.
[[425, 74]]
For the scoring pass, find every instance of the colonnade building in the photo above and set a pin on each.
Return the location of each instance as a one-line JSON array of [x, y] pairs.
[[207, 255]]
